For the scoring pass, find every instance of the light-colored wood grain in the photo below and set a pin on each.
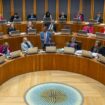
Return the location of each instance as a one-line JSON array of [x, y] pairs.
[[12, 92]]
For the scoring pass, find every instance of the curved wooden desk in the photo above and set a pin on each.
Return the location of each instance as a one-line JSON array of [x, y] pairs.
[[60, 41], [37, 62], [39, 26]]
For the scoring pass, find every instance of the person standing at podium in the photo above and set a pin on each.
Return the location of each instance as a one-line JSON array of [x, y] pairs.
[[45, 37], [26, 44]]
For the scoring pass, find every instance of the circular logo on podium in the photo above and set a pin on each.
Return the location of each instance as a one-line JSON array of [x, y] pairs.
[[53, 94]]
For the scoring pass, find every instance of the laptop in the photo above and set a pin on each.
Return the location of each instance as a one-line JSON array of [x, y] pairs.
[[17, 20], [62, 20], [47, 20], [14, 33], [100, 35], [51, 49], [32, 31], [3, 21], [65, 31], [32, 19]]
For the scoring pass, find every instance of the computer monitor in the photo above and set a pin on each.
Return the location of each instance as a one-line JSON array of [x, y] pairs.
[[32, 19], [14, 33], [47, 20], [62, 20], [32, 31], [17, 20], [82, 32], [3, 21], [100, 35], [66, 31]]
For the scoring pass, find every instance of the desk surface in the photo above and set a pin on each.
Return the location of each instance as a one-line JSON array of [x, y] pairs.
[[37, 62]]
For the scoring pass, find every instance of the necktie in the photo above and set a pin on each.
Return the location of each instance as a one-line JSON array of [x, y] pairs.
[[27, 44]]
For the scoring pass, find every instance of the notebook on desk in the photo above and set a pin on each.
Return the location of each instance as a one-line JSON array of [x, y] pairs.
[[100, 35]]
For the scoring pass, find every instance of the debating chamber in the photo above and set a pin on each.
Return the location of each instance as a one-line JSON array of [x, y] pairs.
[[52, 52]]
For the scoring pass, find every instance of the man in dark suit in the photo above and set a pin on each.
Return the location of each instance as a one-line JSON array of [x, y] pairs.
[[11, 28], [45, 37], [98, 18], [31, 16], [14, 17], [63, 16]]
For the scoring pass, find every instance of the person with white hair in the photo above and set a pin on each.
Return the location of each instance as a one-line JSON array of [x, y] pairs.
[[26, 44]]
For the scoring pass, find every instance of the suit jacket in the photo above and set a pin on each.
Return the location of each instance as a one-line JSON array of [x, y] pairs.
[[13, 17], [75, 45], [94, 49], [99, 19], [46, 40], [11, 29], [25, 47]]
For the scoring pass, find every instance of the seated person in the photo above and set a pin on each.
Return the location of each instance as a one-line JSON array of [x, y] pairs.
[[14, 17], [96, 47], [45, 37], [31, 16], [29, 25], [73, 43], [98, 18], [79, 16], [5, 49], [102, 30], [11, 28], [47, 15], [89, 28], [1, 17], [26, 44], [62, 16], [52, 26]]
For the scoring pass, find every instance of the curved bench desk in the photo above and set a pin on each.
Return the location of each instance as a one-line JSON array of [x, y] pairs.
[[60, 41], [52, 61], [22, 26]]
